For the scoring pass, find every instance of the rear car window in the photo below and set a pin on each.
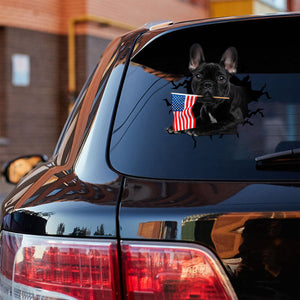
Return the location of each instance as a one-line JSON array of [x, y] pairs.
[[224, 131]]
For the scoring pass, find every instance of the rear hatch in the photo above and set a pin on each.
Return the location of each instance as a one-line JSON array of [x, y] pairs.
[[222, 181]]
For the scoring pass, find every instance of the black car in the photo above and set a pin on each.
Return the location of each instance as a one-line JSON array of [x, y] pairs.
[[176, 175]]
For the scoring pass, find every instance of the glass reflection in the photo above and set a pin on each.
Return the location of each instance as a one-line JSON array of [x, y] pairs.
[[158, 230]]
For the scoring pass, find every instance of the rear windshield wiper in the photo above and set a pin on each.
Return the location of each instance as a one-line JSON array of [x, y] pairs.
[[288, 160]]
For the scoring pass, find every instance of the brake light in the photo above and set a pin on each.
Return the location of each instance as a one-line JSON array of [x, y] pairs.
[[163, 271], [34, 267], [59, 268]]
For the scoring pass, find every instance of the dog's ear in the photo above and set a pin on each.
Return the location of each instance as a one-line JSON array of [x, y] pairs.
[[196, 57], [229, 60]]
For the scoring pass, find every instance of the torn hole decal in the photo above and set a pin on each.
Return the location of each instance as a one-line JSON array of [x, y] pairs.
[[217, 101]]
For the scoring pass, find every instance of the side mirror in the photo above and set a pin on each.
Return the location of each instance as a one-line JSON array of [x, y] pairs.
[[14, 170]]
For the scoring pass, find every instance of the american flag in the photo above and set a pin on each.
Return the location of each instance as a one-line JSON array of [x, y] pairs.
[[183, 117]]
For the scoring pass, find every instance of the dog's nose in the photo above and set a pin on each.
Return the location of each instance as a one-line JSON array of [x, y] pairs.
[[207, 84]]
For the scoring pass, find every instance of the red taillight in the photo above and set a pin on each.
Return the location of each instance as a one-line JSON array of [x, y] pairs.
[[33, 267], [165, 271], [61, 268]]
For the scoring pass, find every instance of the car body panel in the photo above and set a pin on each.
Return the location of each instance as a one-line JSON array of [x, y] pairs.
[[177, 210], [252, 227], [67, 206]]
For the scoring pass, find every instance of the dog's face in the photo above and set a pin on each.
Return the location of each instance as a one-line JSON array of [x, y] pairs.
[[211, 79]]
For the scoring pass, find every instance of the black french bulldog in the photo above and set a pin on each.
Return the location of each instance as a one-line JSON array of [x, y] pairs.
[[220, 101]]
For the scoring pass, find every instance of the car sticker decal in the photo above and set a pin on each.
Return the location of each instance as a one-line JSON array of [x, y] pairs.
[[216, 101]]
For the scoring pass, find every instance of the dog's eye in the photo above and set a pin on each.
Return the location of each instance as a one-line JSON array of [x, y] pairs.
[[221, 78], [198, 76]]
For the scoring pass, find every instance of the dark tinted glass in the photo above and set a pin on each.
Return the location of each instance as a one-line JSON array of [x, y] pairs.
[[229, 134]]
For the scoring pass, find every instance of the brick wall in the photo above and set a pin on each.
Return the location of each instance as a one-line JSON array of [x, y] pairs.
[[2, 87], [53, 15], [137, 12], [35, 14], [294, 5], [31, 117], [32, 114]]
